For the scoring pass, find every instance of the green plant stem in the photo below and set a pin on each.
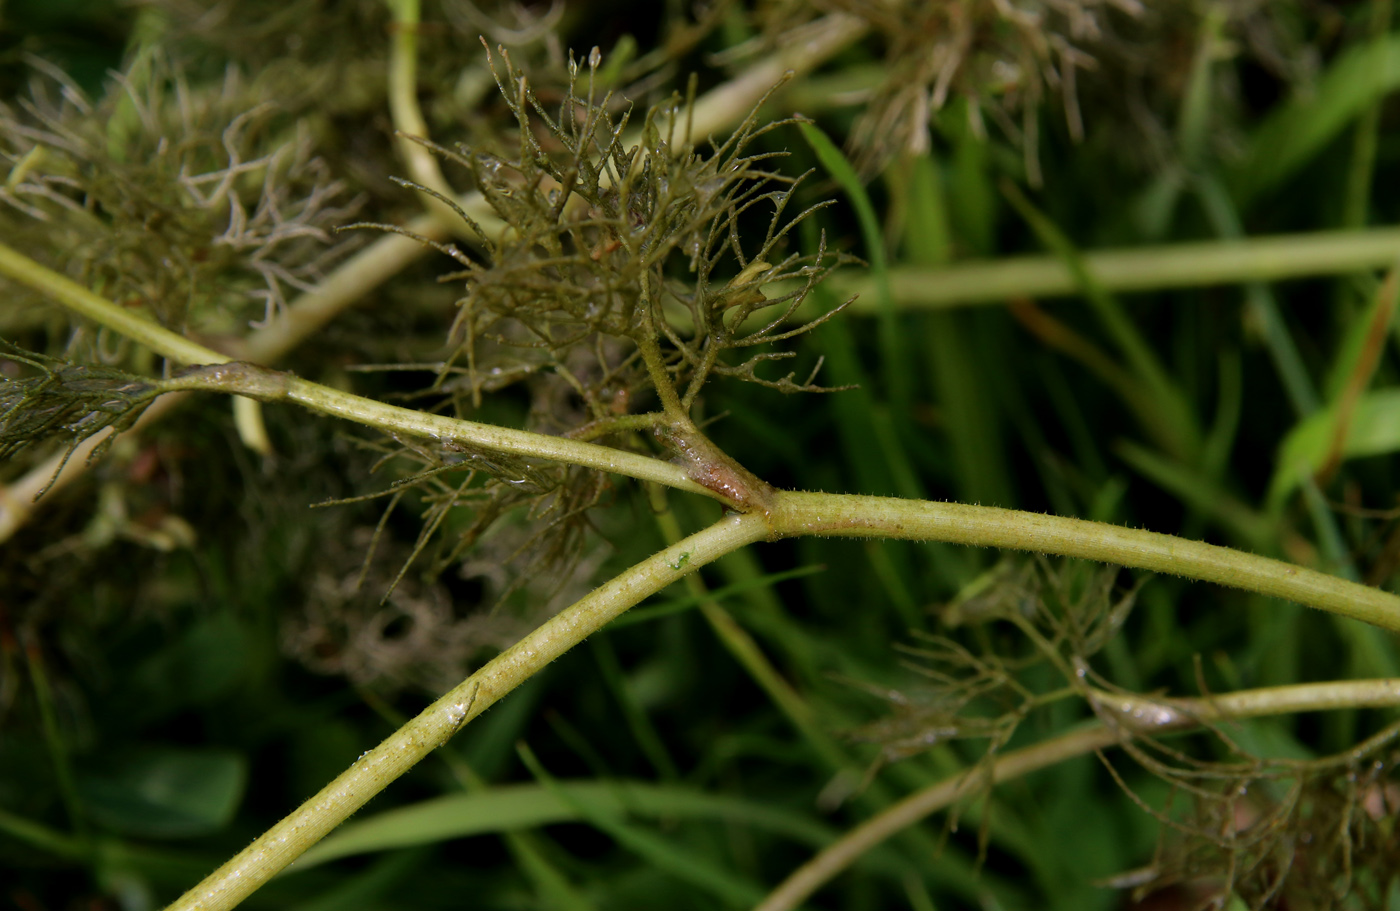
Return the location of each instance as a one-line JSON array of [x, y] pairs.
[[789, 514], [797, 513], [266, 385], [58, 750], [305, 316], [372, 772], [1146, 714], [393, 419], [1188, 265], [551, 885], [1131, 712], [80, 300], [408, 119], [676, 412]]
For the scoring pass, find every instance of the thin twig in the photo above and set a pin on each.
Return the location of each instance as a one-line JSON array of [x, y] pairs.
[[1182, 713]]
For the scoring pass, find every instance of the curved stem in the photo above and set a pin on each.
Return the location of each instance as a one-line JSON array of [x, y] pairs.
[[848, 515], [790, 513], [408, 116], [372, 772], [1183, 713]]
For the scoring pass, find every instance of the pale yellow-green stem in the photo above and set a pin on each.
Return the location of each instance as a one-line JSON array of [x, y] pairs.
[[307, 314], [1133, 714], [792, 514], [408, 119], [1186, 265], [372, 772]]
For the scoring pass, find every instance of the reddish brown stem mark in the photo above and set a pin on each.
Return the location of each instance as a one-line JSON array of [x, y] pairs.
[[712, 468]]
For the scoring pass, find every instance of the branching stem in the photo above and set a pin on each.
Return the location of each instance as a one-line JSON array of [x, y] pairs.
[[716, 111], [790, 513], [267, 385], [1173, 714]]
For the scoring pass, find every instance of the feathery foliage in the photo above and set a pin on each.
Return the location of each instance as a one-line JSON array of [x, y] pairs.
[[221, 613]]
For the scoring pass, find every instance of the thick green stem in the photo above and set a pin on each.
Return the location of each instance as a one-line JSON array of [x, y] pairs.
[[1132, 714], [793, 513], [790, 513], [372, 772]]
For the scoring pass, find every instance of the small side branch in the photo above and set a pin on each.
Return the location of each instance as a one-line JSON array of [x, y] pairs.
[[1173, 714]]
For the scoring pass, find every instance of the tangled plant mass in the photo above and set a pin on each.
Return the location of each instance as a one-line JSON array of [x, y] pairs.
[[613, 259]]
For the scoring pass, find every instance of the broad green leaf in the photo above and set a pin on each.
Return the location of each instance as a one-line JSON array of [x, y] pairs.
[[1374, 430], [166, 792]]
